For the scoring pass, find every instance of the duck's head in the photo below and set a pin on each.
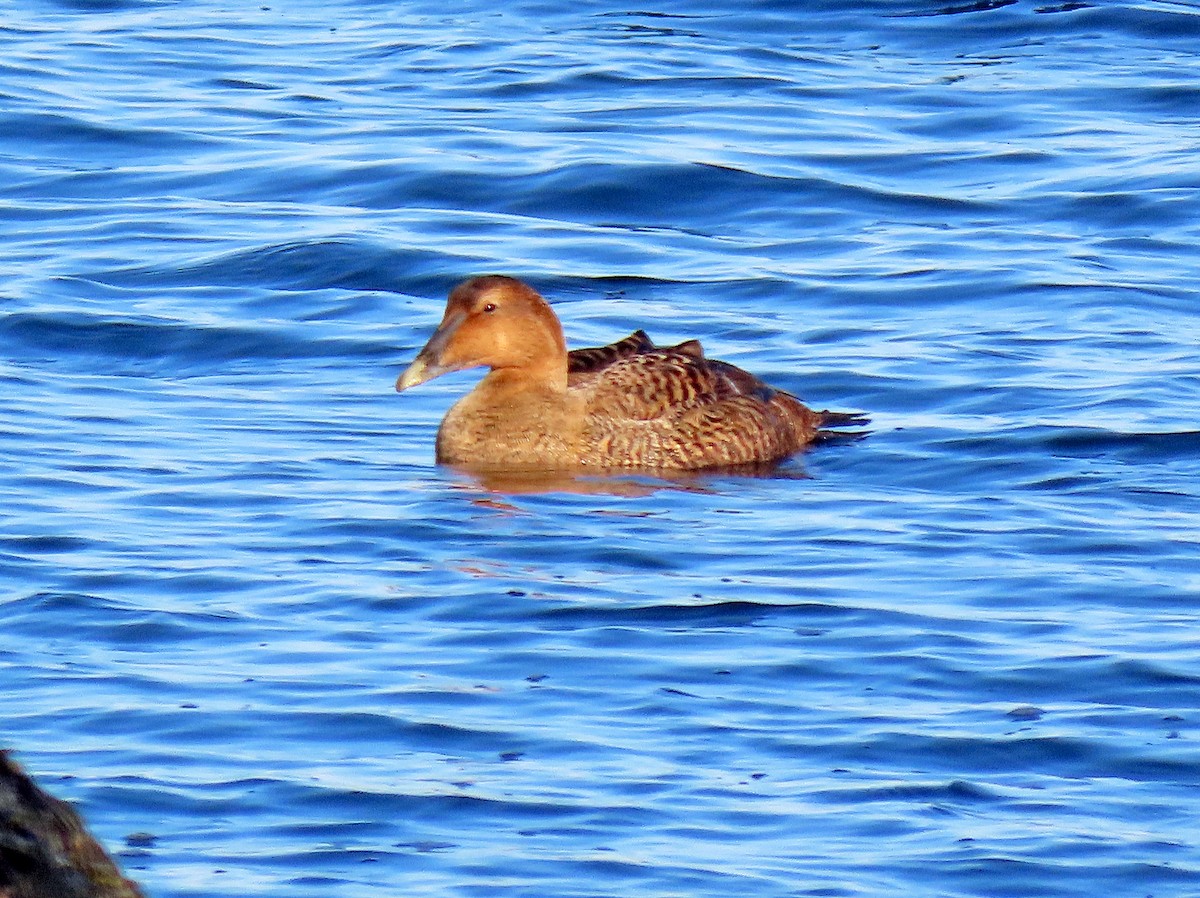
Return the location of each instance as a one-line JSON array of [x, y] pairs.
[[497, 322]]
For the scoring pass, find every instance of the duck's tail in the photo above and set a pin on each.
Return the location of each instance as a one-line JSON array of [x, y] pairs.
[[842, 419], [828, 419]]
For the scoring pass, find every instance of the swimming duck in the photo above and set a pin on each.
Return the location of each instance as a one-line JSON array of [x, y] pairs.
[[629, 405]]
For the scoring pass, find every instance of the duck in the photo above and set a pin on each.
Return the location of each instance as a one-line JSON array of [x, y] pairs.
[[630, 405]]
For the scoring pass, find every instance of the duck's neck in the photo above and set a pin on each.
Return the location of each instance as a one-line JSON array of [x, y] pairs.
[[547, 377]]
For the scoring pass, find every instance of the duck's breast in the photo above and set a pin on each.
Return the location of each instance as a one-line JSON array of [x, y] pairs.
[[536, 431]]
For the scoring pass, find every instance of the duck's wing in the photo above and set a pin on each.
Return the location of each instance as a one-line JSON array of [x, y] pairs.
[[674, 408], [667, 380], [596, 358], [665, 383]]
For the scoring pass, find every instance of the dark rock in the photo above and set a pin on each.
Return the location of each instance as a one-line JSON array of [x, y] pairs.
[[45, 850]]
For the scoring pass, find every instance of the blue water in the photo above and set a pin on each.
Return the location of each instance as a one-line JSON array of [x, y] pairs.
[[270, 649]]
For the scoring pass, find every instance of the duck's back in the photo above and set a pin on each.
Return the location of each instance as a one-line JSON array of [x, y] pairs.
[[672, 408], [594, 359]]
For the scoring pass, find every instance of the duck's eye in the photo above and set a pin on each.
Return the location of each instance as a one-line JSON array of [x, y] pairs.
[[489, 307]]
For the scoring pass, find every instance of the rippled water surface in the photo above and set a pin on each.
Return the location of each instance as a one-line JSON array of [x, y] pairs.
[[246, 620]]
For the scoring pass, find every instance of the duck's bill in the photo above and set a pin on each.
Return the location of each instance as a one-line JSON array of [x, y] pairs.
[[429, 362], [421, 370], [414, 374]]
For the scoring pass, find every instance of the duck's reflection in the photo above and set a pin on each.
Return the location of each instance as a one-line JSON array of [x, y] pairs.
[[618, 481]]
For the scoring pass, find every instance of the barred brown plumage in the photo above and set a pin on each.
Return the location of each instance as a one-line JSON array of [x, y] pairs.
[[628, 405]]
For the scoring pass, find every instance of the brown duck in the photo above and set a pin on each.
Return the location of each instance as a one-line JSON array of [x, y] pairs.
[[629, 405]]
